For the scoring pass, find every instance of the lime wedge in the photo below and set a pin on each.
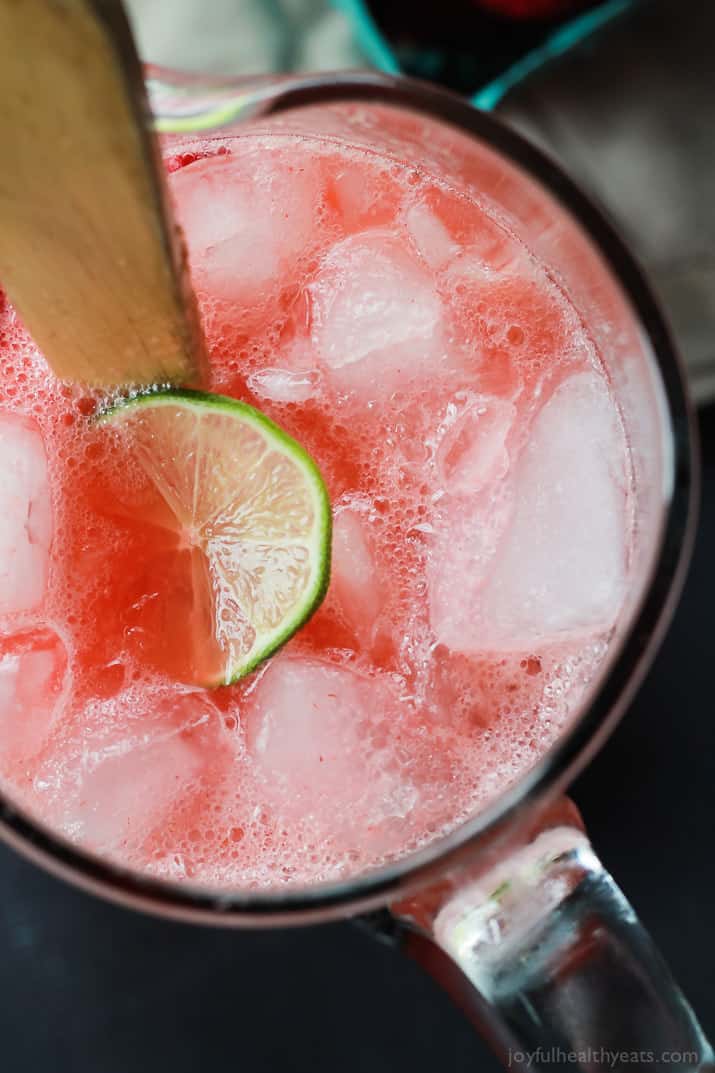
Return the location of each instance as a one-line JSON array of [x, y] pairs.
[[253, 513]]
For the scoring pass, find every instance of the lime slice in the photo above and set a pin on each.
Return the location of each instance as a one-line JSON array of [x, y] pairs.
[[252, 512]]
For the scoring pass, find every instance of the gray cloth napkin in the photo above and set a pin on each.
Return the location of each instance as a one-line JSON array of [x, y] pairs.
[[631, 115]]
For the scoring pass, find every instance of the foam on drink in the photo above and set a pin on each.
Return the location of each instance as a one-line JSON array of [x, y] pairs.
[[479, 475]]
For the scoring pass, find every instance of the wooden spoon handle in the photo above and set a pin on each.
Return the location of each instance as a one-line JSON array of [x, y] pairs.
[[89, 253]]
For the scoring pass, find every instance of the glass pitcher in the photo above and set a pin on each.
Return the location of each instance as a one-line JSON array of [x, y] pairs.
[[512, 912]]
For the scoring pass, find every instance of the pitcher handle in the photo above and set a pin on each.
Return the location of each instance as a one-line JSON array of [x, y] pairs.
[[550, 962]]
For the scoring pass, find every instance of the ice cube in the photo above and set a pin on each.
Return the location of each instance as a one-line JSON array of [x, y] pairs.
[[245, 221], [352, 196], [430, 236], [363, 202], [320, 735], [293, 379], [130, 766], [354, 578], [468, 531], [560, 568], [33, 668], [473, 450], [492, 251], [126, 794], [282, 385], [26, 522], [376, 315]]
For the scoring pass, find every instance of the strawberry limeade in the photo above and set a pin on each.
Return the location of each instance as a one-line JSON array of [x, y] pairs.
[[386, 315]]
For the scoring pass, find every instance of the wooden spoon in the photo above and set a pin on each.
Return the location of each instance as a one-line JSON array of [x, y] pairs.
[[89, 253]]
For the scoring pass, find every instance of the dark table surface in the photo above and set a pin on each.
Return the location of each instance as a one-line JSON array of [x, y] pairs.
[[89, 988]]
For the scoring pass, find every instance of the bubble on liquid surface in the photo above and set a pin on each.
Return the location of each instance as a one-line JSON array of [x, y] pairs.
[[376, 315], [26, 521], [558, 567]]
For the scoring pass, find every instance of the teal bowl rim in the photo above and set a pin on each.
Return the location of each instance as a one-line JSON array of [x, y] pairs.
[[379, 52]]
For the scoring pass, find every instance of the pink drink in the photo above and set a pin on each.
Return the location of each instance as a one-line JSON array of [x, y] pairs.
[[385, 314]]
